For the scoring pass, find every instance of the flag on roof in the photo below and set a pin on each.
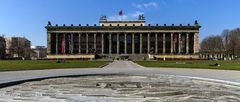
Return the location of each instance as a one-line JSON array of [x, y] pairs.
[[120, 13]]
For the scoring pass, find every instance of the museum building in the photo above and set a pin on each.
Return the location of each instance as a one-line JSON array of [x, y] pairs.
[[113, 39]]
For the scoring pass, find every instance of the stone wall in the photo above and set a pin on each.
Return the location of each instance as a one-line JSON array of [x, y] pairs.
[[87, 56]]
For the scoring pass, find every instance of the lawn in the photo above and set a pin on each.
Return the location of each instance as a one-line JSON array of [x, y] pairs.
[[12, 65], [199, 64]]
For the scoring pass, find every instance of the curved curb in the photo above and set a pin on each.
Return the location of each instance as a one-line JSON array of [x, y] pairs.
[[12, 83], [102, 66], [137, 64], [197, 78], [54, 74], [211, 80], [17, 82]]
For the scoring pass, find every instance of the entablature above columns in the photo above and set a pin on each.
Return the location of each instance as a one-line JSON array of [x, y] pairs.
[[94, 28], [130, 31]]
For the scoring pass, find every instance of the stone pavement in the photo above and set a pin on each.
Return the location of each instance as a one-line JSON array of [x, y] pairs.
[[120, 67], [121, 88]]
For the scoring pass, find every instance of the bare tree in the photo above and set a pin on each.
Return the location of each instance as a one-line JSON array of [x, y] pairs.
[[225, 37], [234, 42], [228, 43], [212, 44], [2, 47]]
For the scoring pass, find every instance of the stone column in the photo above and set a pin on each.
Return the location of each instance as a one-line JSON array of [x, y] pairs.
[[164, 43], [102, 43], [187, 43], [64, 44], [86, 43], [156, 43], [68, 39], [133, 43], [72, 44], [95, 44], [110, 43], [179, 43], [118, 43], [172, 43], [148, 42], [48, 43], [125, 43], [79, 41], [196, 42], [56, 43], [140, 43]]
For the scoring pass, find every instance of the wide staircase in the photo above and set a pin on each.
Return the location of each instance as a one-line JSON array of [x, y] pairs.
[[138, 56], [128, 56]]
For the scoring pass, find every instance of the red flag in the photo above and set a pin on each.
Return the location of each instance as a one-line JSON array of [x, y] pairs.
[[62, 44], [120, 13]]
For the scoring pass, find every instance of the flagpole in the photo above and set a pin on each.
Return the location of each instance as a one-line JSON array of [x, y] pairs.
[[122, 15]]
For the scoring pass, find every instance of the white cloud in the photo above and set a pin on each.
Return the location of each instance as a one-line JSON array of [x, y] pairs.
[[118, 18], [129, 16], [146, 5], [139, 6], [136, 14], [150, 4]]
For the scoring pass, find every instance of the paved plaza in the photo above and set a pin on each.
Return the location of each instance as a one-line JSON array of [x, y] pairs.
[[122, 81], [121, 67]]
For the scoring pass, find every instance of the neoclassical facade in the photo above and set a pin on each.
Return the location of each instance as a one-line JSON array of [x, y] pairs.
[[128, 38]]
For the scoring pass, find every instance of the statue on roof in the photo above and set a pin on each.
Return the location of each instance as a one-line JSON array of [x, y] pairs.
[[141, 17], [103, 17], [49, 23], [196, 23]]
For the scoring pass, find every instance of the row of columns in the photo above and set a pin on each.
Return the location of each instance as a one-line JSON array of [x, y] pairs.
[[125, 43]]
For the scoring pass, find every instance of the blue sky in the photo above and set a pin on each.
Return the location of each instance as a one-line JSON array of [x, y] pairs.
[[28, 17]]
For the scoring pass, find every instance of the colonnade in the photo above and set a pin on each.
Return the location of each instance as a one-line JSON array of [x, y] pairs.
[[180, 43]]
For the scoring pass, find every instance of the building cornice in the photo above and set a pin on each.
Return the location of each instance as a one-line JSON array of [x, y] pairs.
[[116, 28], [129, 31]]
